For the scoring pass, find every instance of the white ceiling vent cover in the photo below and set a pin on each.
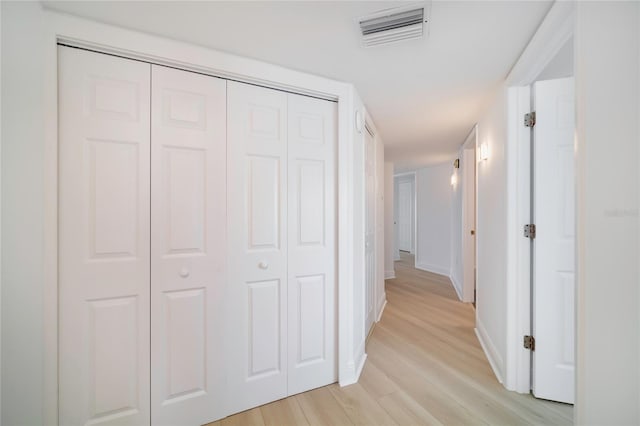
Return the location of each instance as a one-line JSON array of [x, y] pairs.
[[392, 25]]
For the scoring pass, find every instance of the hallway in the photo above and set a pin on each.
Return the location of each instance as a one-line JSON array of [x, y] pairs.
[[424, 366]]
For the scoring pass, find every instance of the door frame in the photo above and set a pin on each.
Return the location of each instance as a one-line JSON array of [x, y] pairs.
[[469, 279], [380, 296], [91, 35], [412, 177], [557, 28]]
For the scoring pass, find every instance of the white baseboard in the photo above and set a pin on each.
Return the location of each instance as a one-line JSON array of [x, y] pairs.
[[455, 287], [389, 275], [360, 367], [433, 269], [381, 307], [353, 379], [495, 360]]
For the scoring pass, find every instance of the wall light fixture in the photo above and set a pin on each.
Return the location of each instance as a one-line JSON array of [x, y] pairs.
[[484, 151]]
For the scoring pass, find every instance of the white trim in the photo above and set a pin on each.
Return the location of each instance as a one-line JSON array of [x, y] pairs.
[[469, 278], [358, 372], [455, 287], [390, 275], [413, 178], [97, 36], [518, 377], [357, 365], [434, 269], [556, 29], [363, 359], [0, 224], [381, 308], [470, 142], [493, 356]]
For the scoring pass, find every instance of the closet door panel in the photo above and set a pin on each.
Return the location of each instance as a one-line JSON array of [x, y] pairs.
[[188, 268], [257, 245], [104, 199], [312, 243]]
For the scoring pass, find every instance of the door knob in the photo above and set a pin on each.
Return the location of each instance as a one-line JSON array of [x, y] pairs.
[[263, 265], [184, 272]]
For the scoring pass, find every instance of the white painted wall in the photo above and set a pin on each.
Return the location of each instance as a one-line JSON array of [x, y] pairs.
[[22, 212], [434, 196], [359, 281], [456, 273], [561, 65], [389, 218], [0, 219], [608, 139], [491, 235], [381, 297]]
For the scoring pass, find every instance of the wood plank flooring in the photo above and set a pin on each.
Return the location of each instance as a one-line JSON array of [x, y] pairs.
[[425, 366]]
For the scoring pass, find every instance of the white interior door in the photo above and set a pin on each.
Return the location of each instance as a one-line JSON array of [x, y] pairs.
[[405, 215], [370, 229], [104, 202], [188, 247], [257, 223], [554, 245], [312, 243]]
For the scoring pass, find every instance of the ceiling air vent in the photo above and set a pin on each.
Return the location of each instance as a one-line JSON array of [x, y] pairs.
[[391, 25]]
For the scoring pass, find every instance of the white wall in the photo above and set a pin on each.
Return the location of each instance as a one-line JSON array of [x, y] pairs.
[[0, 220], [608, 280], [561, 65], [389, 218], [22, 212], [433, 246], [491, 235], [359, 293], [456, 273], [381, 297]]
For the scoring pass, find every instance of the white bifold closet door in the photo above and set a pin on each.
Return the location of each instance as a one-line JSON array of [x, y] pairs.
[[312, 347], [104, 226], [281, 216], [188, 247]]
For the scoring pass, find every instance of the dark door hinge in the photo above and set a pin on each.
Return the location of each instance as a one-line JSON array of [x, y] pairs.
[[529, 343], [530, 119], [530, 231]]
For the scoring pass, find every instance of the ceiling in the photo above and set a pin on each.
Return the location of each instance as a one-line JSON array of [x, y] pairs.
[[424, 95]]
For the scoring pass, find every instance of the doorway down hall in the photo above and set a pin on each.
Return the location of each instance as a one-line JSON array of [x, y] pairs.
[[424, 366]]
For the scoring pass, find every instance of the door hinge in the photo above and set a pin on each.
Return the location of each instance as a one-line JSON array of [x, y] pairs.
[[529, 343], [530, 231], [530, 119]]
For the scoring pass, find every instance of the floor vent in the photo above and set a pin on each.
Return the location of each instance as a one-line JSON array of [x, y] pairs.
[[392, 25]]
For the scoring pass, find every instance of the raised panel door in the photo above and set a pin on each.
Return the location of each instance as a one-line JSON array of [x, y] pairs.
[[311, 267], [257, 246], [104, 202], [554, 246], [188, 248]]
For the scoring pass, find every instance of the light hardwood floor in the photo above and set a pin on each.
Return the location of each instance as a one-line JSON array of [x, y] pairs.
[[424, 366]]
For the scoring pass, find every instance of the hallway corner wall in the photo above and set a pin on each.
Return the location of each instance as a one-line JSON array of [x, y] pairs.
[[23, 137], [456, 273], [492, 234], [433, 207], [608, 221]]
